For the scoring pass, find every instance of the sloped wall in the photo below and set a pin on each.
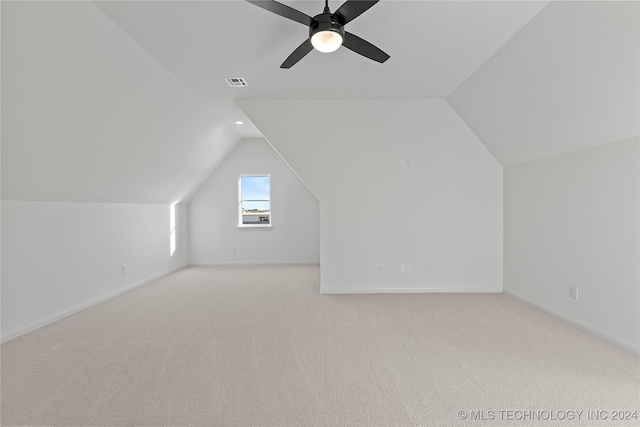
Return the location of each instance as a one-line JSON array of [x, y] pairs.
[[97, 140], [568, 80], [574, 220], [90, 116], [442, 214], [213, 214]]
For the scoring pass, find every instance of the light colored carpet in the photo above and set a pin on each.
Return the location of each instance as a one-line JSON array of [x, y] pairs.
[[258, 346]]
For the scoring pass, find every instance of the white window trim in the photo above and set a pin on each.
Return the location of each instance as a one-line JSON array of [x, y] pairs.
[[239, 207]]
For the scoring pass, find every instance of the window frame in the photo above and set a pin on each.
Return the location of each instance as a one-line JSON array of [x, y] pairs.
[[240, 216]]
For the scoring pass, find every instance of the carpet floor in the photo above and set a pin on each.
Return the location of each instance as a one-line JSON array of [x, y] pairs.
[[259, 346]]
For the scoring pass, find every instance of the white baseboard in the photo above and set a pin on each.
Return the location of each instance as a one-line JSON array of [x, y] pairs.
[[443, 290], [249, 264], [9, 335], [618, 342]]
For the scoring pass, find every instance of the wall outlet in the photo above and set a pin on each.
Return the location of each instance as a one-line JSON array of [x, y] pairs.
[[403, 269], [409, 269], [234, 250], [381, 268], [573, 293], [123, 269]]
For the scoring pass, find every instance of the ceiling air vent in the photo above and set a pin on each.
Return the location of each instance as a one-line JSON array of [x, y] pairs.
[[236, 81]]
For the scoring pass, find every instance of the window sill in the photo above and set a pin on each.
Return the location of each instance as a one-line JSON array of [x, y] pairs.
[[254, 226]]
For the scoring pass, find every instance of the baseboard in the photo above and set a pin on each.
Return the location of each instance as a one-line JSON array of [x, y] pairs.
[[249, 264], [442, 290], [77, 308], [611, 339]]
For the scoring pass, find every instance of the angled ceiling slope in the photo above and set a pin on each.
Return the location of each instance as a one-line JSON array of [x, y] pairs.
[[94, 111], [568, 80], [434, 46], [89, 116]]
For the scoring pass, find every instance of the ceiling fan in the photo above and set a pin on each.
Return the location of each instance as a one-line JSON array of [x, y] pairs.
[[326, 30]]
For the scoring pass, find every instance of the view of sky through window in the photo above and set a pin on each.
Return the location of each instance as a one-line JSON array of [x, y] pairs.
[[256, 193]]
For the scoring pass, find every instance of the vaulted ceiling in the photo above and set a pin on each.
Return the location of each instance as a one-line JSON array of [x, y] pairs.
[[125, 101], [434, 46], [568, 80]]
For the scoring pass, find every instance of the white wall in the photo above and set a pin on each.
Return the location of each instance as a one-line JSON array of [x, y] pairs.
[[213, 214], [59, 258], [574, 220], [442, 215], [97, 140]]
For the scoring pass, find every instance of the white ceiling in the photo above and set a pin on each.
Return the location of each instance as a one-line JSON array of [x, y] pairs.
[[125, 101], [89, 116], [569, 80], [434, 47]]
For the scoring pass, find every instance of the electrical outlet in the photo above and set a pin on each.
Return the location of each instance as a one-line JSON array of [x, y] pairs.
[[381, 268], [403, 269], [409, 269], [235, 250], [123, 269], [573, 293]]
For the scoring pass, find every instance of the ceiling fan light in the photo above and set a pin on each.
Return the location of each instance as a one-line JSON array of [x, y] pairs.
[[326, 41]]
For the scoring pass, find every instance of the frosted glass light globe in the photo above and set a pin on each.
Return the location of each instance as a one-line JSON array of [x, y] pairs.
[[326, 41]]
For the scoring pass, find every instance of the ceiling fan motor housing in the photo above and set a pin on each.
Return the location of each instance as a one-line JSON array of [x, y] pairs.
[[326, 22]]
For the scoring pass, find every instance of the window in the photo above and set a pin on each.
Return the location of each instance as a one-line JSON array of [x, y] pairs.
[[172, 228], [254, 205]]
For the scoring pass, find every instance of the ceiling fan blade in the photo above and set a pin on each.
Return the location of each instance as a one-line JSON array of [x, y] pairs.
[[363, 47], [283, 10], [298, 54], [351, 9]]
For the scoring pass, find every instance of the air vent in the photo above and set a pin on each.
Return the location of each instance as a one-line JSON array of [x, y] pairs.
[[236, 81]]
